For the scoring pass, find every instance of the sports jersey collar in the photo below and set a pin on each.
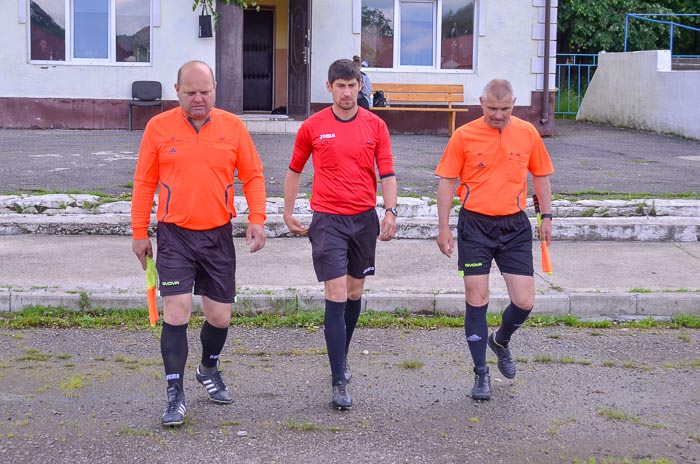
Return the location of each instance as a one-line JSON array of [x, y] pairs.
[[344, 120], [191, 122]]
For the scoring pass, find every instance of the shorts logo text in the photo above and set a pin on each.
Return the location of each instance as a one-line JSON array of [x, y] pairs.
[[473, 264], [170, 284]]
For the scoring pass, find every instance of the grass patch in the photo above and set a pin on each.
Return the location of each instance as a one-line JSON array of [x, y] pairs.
[[310, 426], [137, 319], [604, 195], [34, 355], [411, 364], [619, 416], [71, 385]]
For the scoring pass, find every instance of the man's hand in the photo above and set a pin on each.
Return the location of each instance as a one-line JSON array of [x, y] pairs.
[[294, 226], [142, 248], [255, 235], [546, 231], [445, 241], [388, 230]]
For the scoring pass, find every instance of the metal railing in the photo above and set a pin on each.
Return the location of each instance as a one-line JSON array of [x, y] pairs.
[[574, 73], [673, 24]]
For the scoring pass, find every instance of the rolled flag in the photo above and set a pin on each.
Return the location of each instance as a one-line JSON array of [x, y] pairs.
[[546, 262], [151, 283]]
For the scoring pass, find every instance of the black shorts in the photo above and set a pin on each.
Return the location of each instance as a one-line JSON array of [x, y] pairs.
[[343, 245], [481, 239], [205, 259]]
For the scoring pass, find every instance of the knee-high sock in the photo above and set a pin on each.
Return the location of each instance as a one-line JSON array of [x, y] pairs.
[[352, 314], [213, 339], [174, 349], [513, 318], [477, 332], [334, 332]]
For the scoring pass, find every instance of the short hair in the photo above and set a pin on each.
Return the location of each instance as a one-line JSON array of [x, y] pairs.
[[498, 88], [189, 63], [343, 69]]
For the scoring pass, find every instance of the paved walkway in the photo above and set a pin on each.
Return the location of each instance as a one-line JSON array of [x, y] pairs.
[[616, 258]]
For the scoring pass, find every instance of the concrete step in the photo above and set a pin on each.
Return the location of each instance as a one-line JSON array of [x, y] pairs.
[[607, 220], [651, 229]]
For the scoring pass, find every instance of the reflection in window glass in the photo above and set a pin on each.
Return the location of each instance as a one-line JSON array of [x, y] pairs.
[[417, 34], [91, 28], [133, 30], [378, 33], [457, 43], [48, 30]]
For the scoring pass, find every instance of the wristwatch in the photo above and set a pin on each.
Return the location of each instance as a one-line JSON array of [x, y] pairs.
[[393, 211], [546, 216]]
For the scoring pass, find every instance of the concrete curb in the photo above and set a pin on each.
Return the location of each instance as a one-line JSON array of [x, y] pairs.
[[581, 305]]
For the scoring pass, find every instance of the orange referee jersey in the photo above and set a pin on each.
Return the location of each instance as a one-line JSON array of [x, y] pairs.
[[195, 172], [492, 168]]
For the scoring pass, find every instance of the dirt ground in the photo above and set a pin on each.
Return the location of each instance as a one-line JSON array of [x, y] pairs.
[[97, 395]]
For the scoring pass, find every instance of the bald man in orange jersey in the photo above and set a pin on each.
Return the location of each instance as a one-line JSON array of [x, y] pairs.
[[191, 153]]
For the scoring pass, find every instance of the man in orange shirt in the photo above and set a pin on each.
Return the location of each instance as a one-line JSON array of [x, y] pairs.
[[191, 153], [491, 157]]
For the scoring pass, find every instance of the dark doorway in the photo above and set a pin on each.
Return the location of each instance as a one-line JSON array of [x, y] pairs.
[[258, 51], [298, 95]]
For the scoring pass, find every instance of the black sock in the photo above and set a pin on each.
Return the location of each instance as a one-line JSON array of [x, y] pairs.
[[352, 314], [513, 318], [213, 339], [173, 348], [334, 332], [477, 332]]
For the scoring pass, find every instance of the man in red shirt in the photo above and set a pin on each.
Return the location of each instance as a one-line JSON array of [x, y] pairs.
[[191, 153], [348, 144], [491, 157]]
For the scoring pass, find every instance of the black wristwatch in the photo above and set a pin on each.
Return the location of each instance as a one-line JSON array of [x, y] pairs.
[[393, 211], [546, 216]]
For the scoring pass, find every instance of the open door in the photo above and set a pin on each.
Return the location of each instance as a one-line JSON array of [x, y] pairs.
[[299, 91], [258, 51]]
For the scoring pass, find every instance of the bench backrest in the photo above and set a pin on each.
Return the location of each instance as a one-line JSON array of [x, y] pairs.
[[421, 93]]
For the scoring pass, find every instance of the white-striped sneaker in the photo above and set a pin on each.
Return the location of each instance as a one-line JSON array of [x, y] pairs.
[[216, 388], [177, 408]]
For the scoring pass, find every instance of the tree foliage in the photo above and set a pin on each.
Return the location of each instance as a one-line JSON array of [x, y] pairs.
[[586, 26]]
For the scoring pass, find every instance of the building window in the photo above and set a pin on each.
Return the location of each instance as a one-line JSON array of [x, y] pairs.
[[90, 30], [428, 34]]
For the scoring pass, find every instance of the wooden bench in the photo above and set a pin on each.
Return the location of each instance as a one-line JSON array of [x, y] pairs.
[[423, 97]]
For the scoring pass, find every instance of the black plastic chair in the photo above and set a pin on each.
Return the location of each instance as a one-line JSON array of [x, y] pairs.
[[145, 93]]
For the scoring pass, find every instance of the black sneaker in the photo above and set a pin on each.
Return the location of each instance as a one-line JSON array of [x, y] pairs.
[[216, 388], [506, 364], [341, 397], [482, 384], [346, 369], [177, 408]]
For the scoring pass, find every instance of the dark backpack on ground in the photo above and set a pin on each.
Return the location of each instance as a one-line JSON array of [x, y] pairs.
[[379, 99]]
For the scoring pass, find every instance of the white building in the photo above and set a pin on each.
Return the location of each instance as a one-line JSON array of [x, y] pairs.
[[73, 61]]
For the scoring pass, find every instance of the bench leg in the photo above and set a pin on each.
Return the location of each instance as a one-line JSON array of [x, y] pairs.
[[451, 121]]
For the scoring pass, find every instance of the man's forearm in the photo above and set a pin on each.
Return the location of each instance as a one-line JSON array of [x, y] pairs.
[[389, 191]]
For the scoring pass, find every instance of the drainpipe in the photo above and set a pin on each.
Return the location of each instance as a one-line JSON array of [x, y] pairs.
[[547, 42]]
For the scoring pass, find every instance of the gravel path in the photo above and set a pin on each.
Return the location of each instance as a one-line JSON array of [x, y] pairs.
[[96, 396]]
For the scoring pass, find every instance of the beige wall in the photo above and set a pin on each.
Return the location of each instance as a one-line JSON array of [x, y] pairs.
[[639, 90]]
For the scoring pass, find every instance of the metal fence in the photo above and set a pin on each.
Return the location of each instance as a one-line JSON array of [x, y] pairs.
[[574, 73]]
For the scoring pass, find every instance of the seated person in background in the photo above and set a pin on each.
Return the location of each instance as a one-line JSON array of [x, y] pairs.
[[366, 90]]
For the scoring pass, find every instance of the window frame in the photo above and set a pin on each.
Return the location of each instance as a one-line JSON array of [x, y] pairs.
[[69, 52], [437, 33]]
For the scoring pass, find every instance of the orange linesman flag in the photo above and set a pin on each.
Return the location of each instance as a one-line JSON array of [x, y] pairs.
[[546, 262], [151, 280]]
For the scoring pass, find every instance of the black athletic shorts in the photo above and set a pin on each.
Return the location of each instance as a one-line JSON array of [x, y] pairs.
[[481, 239], [343, 245], [205, 259]]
